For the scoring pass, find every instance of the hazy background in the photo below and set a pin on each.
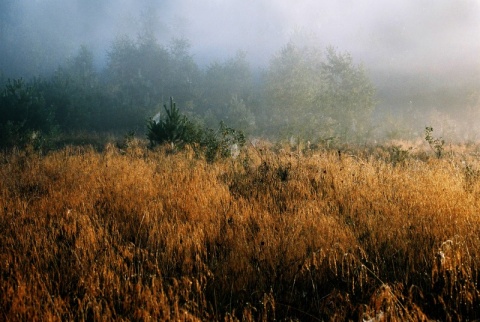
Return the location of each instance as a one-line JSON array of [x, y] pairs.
[[414, 36], [419, 53]]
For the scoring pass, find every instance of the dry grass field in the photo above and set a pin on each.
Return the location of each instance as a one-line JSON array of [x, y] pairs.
[[371, 234]]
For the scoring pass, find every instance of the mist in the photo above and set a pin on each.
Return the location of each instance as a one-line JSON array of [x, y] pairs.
[[400, 36], [407, 47]]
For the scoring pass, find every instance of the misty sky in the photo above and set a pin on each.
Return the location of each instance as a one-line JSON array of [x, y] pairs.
[[421, 36]]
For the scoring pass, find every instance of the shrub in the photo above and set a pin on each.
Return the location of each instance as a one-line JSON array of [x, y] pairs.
[[220, 143], [176, 129], [437, 144]]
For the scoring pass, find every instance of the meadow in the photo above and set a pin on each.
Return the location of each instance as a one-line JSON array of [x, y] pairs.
[[379, 233]]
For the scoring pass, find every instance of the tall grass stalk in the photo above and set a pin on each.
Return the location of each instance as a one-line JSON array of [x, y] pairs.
[[140, 234]]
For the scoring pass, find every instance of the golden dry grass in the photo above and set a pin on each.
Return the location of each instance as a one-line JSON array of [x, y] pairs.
[[155, 235]]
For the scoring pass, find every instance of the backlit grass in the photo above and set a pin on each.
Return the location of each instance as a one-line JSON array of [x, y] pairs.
[[136, 234]]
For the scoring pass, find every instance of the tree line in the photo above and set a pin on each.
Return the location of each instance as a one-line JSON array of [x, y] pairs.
[[305, 91]]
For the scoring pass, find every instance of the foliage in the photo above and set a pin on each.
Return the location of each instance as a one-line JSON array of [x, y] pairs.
[[173, 128], [436, 144], [471, 177], [176, 129], [398, 155], [292, 82], [184, 75], [305, 92], [349, 95], [227, 93], [74, 93], [25, 115], [317, 94], [142, 73], [219, 144], [238, 115], [137, 72]]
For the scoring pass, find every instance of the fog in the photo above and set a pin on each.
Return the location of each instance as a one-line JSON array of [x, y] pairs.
[[407, 46], [400, 36]]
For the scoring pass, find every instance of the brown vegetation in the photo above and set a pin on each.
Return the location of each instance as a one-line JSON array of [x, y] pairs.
[[136, 234]]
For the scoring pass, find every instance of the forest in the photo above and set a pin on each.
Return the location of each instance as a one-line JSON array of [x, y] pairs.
[[306, 92]]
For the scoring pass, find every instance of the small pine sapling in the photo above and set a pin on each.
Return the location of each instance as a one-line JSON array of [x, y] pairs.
[[174, 128]]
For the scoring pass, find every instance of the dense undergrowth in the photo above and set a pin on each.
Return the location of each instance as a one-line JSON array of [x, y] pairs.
[[136, 234]]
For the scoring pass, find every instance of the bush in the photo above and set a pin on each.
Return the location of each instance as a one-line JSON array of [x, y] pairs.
[[436, 144], [220, 143], [176, 129]]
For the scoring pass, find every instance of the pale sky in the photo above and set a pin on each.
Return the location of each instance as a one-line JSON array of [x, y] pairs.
[[432, 36]]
